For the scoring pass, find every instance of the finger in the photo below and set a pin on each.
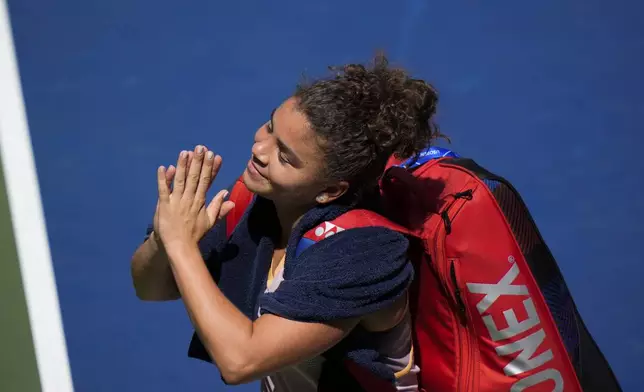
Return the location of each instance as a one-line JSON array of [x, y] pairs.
[[169, 175], [214, 208], [180, 174], [192, 180], [225, 209], [204, 180], [191, 155], [216, 165], [164, 191]]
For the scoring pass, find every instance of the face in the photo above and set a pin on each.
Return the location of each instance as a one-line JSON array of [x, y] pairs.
[[287, 163]]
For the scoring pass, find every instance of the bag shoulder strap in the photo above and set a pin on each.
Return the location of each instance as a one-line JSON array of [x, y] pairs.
[[349, 220], [242, 197]]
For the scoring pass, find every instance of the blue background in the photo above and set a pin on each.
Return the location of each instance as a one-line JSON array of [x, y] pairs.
[[547, 93]]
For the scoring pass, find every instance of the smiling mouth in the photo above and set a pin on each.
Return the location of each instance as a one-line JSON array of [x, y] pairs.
[[253, 171]]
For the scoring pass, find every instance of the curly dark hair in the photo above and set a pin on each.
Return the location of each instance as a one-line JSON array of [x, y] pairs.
[[363, 116]]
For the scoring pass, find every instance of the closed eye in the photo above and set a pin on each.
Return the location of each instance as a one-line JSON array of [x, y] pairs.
[[285, 155], [282, 159]]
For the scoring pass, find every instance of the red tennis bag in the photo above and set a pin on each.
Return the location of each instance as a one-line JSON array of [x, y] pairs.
[[490, 308]]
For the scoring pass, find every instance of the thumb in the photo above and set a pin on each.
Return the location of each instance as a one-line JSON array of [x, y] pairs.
[[218, 208], [226, 208]]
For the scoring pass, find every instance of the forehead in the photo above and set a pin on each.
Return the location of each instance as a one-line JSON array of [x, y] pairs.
[[292, 128]]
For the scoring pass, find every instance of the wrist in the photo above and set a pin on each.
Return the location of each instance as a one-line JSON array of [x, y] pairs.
[[177, 250]]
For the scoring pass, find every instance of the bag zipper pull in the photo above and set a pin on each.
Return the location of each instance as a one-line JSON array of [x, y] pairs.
[[466, 194], [457, 292]]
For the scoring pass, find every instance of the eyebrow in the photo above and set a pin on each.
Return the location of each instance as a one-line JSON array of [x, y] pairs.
[[280, 143]]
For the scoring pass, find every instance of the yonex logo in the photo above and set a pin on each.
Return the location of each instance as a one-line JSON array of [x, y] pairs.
[[526, 347], [327, 229]]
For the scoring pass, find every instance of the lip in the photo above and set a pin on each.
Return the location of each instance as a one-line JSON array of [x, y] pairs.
[[252, 170]]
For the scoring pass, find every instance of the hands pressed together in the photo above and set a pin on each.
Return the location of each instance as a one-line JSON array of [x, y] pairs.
[[182, 217]]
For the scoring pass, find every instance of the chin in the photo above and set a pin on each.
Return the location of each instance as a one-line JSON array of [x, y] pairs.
[[257, 187]]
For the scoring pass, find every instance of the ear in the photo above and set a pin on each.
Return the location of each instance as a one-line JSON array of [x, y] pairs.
[[332, 192]]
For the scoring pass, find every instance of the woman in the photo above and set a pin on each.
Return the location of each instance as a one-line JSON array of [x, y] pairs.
[[260, 311]]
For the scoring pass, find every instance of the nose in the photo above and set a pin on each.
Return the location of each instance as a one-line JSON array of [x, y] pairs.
[[261, 148]]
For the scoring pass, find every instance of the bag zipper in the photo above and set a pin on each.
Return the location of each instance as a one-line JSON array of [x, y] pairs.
[[466, 346], [462, 312], [447, 270]]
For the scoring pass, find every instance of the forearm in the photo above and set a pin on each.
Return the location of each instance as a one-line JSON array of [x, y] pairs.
[[151, 273], [225, 331]]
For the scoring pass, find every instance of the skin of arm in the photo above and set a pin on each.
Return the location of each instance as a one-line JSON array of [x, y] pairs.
[[151, 273], [242, 349]]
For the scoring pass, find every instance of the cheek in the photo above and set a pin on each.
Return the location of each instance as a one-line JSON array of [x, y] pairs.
[[292, 182]]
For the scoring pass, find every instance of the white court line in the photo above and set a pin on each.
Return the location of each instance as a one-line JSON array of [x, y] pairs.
[[28, 222]]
